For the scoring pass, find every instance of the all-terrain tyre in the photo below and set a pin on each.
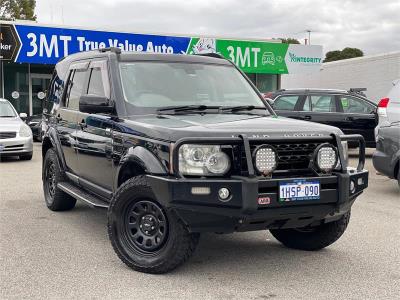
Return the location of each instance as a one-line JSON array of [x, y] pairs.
[[26, 156], [144, 235], [56, 199], [312, 238]]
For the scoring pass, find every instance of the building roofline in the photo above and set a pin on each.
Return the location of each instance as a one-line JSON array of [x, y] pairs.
[[355, 59]]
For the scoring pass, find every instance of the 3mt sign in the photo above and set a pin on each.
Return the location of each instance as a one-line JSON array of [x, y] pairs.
[[9, 42]]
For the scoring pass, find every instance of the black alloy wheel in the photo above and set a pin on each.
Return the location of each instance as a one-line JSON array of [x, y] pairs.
[[146, 226]]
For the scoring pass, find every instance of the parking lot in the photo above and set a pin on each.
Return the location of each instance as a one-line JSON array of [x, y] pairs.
[[44, 254]]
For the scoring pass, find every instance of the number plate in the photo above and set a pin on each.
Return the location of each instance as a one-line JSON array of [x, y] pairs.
[[299, 190]]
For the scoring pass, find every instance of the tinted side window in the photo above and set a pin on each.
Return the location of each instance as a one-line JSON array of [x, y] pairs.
[[323, 103], [285, 102], [355, 105], [75, 88], [96, 85]]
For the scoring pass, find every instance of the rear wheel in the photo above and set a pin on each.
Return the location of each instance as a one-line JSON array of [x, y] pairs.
[[145, 236], [55, 198], [312, 238]]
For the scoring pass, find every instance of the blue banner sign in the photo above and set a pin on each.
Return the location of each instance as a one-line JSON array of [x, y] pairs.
[[47, 45]]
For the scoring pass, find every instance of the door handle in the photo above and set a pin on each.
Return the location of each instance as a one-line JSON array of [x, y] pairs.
[[82, 124], [307, 118], [58, 118], [349, 119]]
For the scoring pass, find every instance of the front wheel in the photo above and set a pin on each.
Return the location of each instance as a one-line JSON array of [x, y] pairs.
[[144, 235], [312, 238]]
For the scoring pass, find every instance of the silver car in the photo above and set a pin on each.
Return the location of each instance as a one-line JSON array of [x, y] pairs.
[[15, 136]]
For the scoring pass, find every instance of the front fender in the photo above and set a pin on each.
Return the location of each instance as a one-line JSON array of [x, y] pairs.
[[143, 158], [51, 134]]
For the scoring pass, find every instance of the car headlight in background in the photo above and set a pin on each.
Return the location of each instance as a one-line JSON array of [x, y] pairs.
[[265, 159], [203, 160], [25, 131], [326, 158]]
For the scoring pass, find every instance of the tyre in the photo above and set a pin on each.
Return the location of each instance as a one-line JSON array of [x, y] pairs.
[[144, 235], [312, 238], [56, 199], [26, 156]]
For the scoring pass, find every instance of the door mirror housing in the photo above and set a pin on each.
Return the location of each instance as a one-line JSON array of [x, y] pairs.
[[23, 116], [94, 104]]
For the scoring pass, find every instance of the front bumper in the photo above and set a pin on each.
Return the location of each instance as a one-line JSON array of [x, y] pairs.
[[244, 211], [16, 146], [254, 203]]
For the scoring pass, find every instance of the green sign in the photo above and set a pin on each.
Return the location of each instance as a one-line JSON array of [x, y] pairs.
[[261, 57]]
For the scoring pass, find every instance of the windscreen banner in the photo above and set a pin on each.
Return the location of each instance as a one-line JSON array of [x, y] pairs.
[[47, 45]]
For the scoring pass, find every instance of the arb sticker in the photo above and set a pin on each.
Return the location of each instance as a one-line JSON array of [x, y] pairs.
[[264, 200]]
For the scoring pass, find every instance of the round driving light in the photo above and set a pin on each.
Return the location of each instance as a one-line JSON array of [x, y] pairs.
[[326, 158], [224, 194], [265, 159], [218, 163]]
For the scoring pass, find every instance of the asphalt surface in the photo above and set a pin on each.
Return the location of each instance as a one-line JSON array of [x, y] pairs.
[[44, 254]]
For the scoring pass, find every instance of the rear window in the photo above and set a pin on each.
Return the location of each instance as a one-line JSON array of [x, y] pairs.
[[286, 102]]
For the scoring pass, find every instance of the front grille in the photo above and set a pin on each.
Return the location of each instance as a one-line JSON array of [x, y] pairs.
[[8, 134], [293, 157]]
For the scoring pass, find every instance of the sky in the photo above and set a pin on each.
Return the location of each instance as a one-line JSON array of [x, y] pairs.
[[370, 25]]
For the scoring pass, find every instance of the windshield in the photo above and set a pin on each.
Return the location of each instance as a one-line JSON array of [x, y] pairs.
[[165, 84], [6, 110]]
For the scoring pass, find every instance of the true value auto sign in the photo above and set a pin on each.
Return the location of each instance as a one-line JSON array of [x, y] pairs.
[[47, 45]]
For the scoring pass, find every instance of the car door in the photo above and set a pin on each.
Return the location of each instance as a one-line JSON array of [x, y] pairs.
[[320, 108], [358, 117], [288, 106], [67, 114], [94, 137]]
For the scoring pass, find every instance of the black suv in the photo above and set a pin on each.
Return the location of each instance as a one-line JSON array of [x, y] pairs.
[[349, 110], [176, 145]]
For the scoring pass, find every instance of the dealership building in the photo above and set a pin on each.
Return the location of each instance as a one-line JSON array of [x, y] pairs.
[[29, 51]]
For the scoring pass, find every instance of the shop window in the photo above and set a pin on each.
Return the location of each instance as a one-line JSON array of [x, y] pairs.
[[267, 82]]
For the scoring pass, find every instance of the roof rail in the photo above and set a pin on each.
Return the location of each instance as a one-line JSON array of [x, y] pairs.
[[359, 91], [215, 55], [116, 50]]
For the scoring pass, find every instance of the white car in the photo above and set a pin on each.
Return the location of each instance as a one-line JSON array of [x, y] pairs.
[[389, 107], [16, 137]]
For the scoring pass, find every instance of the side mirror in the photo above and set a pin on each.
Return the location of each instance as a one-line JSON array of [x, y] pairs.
[[23, 116], [93, 104]]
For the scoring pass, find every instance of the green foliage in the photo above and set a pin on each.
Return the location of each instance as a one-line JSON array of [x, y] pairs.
[[343, 54], [289, 41], [17, 9]]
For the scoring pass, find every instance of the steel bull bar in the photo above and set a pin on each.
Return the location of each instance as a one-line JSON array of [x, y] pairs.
[[250, 183]]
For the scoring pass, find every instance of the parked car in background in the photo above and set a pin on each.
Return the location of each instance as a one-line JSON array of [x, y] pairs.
[[35, 123], [349, 110], [386, 158], [15, 136]]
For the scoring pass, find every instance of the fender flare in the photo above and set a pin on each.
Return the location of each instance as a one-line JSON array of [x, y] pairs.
[[143, 158], [51, 134]]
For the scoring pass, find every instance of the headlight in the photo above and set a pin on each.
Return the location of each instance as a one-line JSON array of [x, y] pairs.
[[326, 158], [203, 160], [265, 159], [25, 131]]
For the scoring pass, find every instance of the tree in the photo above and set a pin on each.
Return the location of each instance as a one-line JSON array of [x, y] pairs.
[[343, 54], [289, 41], [17, 9]]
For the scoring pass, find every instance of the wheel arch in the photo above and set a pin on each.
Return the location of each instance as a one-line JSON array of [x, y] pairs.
[[138, 161]]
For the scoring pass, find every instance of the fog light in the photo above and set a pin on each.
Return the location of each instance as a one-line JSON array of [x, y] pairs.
[[360, 181], [201, 190], [224, 194], [265, 159], [352, 186]]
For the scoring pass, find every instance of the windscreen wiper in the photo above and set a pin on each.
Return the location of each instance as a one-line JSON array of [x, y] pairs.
[[241, 107], [185, 108]]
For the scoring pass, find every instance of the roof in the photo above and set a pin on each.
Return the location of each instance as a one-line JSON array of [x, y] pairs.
[[296, 90], [145, 56]]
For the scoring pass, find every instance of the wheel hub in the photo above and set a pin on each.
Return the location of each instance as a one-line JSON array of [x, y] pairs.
[[146, 226]]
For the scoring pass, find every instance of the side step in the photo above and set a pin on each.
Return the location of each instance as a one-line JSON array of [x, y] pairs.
[[82, 195]]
